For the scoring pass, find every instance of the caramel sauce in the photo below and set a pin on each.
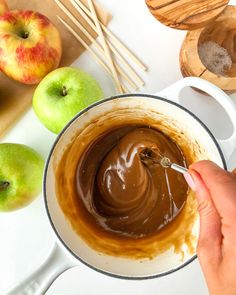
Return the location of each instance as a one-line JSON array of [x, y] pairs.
[[123, 215], [125, 194]]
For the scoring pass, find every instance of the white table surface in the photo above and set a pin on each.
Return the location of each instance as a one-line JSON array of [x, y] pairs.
[[26, 236]]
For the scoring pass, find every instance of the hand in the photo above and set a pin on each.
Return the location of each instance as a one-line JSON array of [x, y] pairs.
[[216, 195]]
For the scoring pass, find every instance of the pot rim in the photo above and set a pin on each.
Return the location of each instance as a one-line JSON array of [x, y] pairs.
[[49, 159]]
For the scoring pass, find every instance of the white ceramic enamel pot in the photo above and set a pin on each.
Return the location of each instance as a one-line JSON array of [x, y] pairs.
[[140, 105], [165, 103]]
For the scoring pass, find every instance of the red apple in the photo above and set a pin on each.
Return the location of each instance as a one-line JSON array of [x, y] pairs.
[[30, 46], [3, 7]]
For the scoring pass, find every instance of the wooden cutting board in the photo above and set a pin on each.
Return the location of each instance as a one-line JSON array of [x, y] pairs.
[[15, 98]]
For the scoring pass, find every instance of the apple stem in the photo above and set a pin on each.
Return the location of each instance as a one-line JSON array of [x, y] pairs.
[[64, 91], [4, 185], [26, 35]]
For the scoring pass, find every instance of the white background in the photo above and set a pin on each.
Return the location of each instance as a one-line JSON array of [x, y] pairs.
[[26, 236]]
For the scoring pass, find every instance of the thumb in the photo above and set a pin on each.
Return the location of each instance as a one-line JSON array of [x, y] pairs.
[[210, 237], [222, 187]]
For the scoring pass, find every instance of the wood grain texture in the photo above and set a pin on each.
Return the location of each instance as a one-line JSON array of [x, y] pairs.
[[15, 98], [186, 14], [221, 31]]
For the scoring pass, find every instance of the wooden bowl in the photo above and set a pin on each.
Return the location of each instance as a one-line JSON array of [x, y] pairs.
[[222, 31]]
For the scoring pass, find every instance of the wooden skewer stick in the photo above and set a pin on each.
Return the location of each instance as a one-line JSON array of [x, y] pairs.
[[95, 56], [104, 44], [126, 77], [79, 25], [98, 59], [93, 40], [116, 41], [128, 67], [125, 89]]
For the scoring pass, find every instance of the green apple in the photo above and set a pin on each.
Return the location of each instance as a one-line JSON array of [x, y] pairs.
[[62, 94], [21, 170]]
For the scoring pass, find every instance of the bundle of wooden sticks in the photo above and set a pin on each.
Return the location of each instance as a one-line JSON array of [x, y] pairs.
[[109, 51]]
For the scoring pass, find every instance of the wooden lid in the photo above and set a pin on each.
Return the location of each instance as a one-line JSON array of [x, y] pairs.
[[186, 14]]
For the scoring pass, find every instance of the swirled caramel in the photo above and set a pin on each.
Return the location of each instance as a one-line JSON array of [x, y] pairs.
[[123, 188], [115, 195]]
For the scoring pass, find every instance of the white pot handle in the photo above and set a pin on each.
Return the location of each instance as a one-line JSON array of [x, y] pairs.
[[173, 93], [40, 280]]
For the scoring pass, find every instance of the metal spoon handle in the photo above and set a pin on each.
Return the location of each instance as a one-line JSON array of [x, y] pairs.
[[179, 168]]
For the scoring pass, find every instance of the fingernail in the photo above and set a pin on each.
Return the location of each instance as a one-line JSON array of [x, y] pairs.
[[190, 181]]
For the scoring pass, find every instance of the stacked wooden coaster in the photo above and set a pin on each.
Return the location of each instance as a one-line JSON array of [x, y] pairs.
[[208, 50]]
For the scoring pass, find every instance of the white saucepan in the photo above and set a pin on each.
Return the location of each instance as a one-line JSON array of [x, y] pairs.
[[70, 249]]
